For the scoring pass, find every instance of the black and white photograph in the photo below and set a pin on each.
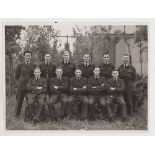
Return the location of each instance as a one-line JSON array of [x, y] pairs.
[[76, 75]]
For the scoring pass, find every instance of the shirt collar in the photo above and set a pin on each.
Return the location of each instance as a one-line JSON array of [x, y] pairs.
[[37, 78], [78, 78], [106, 63], [66, 62], [126, 65], [27, 63], [59, 77], [86, 63]]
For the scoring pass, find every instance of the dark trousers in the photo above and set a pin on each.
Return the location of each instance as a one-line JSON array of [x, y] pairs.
[[36, 105], [116, 101], [74, 101], [93, 106], [128, 96], [58, 104], [19, 98]]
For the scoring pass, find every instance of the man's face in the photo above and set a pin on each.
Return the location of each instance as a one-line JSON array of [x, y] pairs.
[[97, 71], [78, 73], [126, 59], [66, 56], [86, 58], [106, 58], [115, 74], [59, 72], [27, 57], [47, 58], [37, 73]]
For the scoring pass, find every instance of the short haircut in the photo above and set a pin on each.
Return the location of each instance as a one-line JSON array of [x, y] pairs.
[[126, 54], [106, 54], [86, 54], [96, 67], [47, 53], [37, 68], [78, 69], [115, 70], [27, 52], [58, 67]]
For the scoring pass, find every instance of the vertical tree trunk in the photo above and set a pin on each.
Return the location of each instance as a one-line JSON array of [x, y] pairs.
[[11, 77], [141, 61]]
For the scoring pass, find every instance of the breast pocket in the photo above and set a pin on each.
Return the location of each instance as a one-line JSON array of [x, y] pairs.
[[129, 73]]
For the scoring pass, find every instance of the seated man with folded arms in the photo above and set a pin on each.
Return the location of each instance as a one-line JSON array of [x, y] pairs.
[[78, 94], [59, 90], [115, 94], [36, 93], [96, 94]]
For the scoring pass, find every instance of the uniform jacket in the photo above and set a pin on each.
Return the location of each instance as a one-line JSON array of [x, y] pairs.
[[118, 85], [106, 70], [75, 83], [68, 69], [93, 82], [87, 72], [33, 84], [47, 71], [61, 83], [23, 73], [128, 74]]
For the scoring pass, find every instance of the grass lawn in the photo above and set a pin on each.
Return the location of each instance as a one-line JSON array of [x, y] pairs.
[[136, 122]]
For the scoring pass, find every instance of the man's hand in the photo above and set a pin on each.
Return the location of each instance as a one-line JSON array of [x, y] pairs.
[[102, 84], [74, 88], [94, 87], [112, 88], [39, 88], [84, 86], [56, 87]]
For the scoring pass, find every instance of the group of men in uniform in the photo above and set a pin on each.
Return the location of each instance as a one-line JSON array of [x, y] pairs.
[[75, 91]]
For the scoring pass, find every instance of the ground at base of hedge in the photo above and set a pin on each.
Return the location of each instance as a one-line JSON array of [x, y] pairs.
[[136, 122]]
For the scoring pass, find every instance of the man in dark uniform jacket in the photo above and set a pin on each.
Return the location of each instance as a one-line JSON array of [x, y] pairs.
[[106, 67], [115, 94], [23, 73], [47, 70], [127, 72], [86, 67], [67, 66], [68, 71], [96, 93], [59, 93], [78, 94], [36, 93]]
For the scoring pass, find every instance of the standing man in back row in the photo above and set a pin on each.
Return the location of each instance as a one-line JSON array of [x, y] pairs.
[[68, 69], [67, 66], [106, 67], [48, 71], [86, 67], [23, 73], [127, 72]]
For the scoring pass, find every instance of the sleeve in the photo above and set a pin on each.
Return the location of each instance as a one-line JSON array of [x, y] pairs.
[[108, 87], [90, 89], [44, 89], [83, 90], [30, 87], [121, 89], [65, 86], [52, 85], [17, 73], [121, 72]]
